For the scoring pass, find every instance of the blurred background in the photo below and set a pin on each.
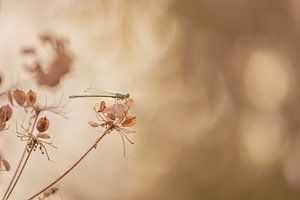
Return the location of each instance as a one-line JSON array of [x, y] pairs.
[[215, 85]]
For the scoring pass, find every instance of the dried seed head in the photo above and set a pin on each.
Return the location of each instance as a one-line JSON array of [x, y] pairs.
[[5, 112], [19, 96], [30, 98], [42, 124]]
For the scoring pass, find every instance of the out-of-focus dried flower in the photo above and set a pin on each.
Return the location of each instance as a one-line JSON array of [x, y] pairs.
[[51, 191], [5, 112], [19, 96], [42, 124], [60, 64], [30, 98]]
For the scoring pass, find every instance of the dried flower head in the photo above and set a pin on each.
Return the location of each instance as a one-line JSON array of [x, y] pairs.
[[19, 96], [115, 116], [42, 124], [30, 98]]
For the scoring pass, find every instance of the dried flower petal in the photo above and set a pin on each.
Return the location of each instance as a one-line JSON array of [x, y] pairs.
[[42, 124], [93, 124], [129, 121], [5, 112], [6, 164], [43, 135], [30, 98], [102, 106], [19, 96]]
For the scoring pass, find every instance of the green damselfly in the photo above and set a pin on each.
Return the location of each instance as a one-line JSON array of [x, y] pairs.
[[117, 96]]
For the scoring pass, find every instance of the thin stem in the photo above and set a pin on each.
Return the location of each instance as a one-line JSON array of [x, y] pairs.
[[75, 164], [21, 171], [82, 96], [21, 159]]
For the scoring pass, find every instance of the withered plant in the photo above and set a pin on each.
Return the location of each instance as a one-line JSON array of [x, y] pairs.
[[109, 117]]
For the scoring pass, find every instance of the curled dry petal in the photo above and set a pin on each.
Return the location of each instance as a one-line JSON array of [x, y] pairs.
[[102, 106], [129, 121], [93, 124], [43, 135], [6, 164], [30, 98], [5, 112], [19, 96], [42, 124]]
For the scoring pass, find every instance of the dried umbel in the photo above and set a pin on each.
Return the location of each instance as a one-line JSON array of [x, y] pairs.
[[115, 116], [19, 96], [30, 98], [42, 124]]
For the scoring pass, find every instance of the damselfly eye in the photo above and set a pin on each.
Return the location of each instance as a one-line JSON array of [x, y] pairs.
[[30, 98], [42, 124], [19, 96]]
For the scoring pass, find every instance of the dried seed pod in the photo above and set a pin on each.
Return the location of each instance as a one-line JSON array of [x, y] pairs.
[[43, 136], [5, 112], [6, 165], [19, 96], [30, 98], [42, 124], [129, 121]]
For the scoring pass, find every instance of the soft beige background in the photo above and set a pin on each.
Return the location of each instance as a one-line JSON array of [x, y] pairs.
[[216, 89]]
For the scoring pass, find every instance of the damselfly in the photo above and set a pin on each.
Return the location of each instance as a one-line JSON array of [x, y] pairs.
[[90, 92]]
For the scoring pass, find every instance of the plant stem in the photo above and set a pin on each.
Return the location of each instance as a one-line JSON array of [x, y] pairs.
[[8, 190], [18, 177], [75, 164]]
